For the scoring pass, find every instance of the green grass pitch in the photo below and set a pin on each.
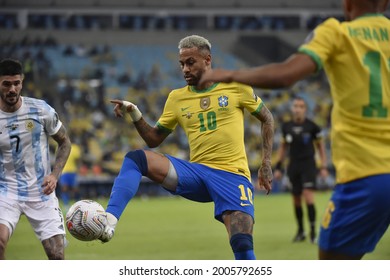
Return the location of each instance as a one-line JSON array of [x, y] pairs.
[[172, 228]]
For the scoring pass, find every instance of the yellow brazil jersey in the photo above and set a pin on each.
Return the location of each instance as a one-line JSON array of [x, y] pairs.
[[72, 162], [356, 58], [213, 120]]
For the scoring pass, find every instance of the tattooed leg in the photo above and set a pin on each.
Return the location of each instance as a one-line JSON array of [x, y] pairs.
[[240, 228], [54, 247]]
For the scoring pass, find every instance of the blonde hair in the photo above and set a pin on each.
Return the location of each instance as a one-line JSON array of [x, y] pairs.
[[195, 41]]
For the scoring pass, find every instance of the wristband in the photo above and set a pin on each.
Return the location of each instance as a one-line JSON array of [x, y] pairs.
[[135, 114]]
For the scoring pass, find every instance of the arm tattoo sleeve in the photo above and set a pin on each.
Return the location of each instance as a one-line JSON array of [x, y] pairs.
[[152, 136], [63, 151], [267, 132]]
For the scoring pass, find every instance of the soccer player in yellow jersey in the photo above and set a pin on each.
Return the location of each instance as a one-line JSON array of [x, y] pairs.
[[212, 117], [68, 180], [355, 55]]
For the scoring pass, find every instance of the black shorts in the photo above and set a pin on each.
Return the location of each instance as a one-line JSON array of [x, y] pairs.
[[302, 175]]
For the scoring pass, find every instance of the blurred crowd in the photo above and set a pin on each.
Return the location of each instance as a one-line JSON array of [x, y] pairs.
[[65, 20]]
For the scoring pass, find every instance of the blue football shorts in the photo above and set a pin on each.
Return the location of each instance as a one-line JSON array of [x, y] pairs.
[[228, 191], [357, 216], [68, 179]]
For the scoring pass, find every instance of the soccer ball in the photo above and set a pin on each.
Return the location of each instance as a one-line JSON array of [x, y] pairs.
[[86, 220]]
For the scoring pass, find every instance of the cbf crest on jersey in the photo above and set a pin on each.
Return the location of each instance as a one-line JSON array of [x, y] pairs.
[[205, 103], [223, 101]]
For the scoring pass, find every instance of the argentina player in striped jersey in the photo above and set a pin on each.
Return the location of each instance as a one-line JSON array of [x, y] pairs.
[[27, 180]]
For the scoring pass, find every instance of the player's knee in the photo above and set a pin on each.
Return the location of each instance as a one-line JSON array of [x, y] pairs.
[[241, 242], [139, 158]]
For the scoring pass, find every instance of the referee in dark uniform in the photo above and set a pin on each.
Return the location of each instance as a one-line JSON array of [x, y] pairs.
[[301, 138]]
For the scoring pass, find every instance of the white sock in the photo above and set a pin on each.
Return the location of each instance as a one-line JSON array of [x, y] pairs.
[[112, 220]]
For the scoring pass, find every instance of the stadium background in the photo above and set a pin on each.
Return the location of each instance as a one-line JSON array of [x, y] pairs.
[[80, 54]]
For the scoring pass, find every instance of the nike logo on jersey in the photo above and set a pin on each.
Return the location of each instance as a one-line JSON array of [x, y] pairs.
[[185, 108], [244, 204]]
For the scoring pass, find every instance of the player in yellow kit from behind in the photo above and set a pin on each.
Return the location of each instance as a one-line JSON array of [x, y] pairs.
[[356, 58], [213, 120], [68, 180]]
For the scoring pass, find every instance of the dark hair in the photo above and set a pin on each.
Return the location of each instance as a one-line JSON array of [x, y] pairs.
[[10, 67], [298, 97]]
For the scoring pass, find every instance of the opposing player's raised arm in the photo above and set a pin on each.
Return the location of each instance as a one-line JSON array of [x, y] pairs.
[[273, 75], [267, 132], [152, 135]]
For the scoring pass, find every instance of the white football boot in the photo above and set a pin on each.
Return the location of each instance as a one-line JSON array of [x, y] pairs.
[[109, 230]]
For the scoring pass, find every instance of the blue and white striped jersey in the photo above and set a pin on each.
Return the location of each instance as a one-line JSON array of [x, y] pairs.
[[24, 149]]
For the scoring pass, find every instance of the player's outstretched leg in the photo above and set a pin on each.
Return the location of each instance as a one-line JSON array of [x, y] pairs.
[[125, 186]]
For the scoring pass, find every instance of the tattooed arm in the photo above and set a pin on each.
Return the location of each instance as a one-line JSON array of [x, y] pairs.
[[267, 131], [153, 136], [62, 154]]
